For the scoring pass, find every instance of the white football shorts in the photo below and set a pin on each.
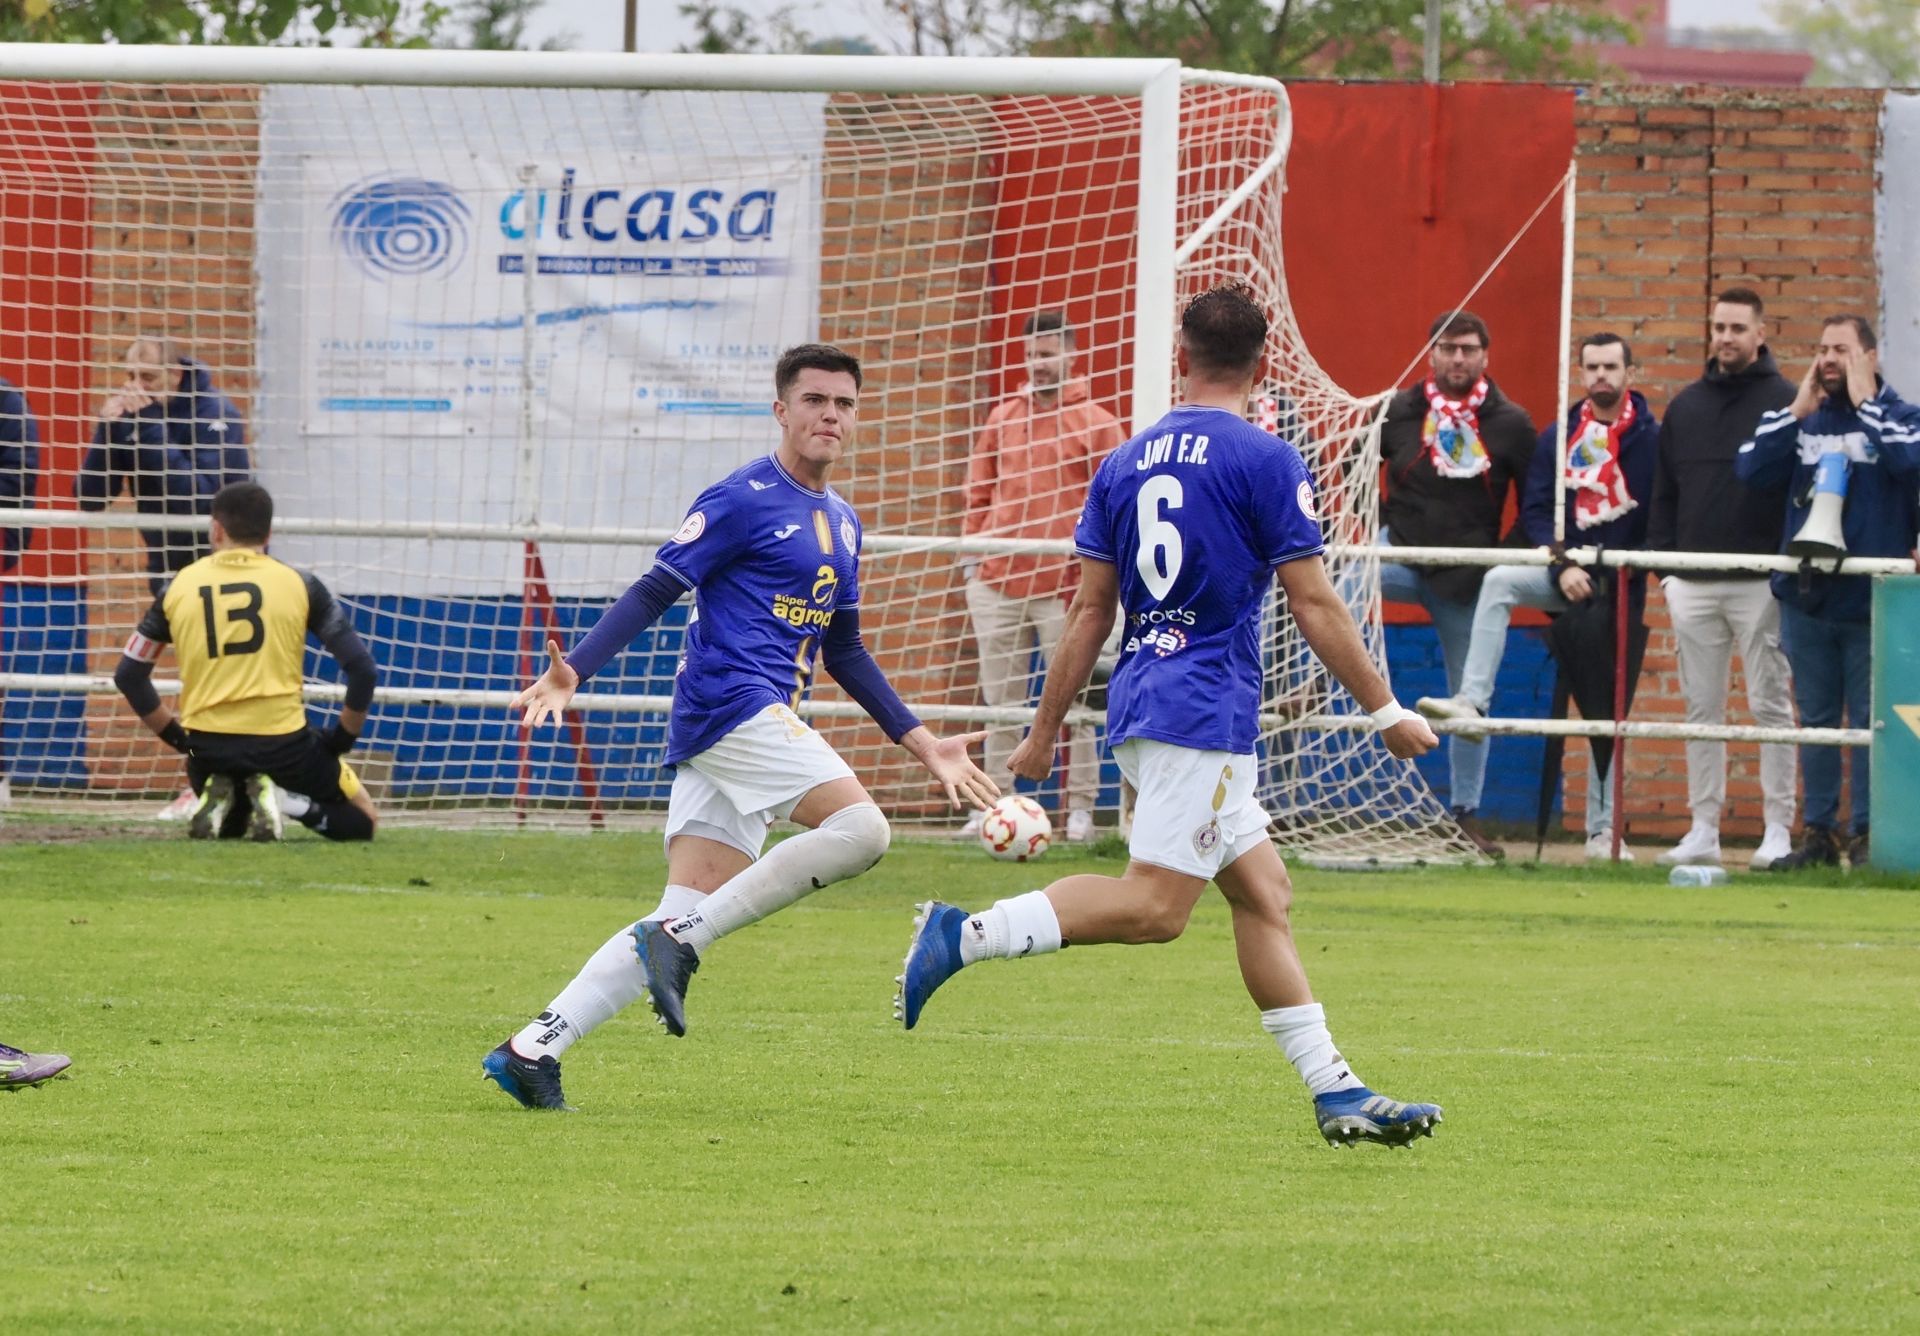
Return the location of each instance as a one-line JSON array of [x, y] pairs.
[[1194, 812], [736, 789]]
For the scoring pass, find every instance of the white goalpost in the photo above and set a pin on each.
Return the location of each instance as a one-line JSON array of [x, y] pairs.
[[491, 320]]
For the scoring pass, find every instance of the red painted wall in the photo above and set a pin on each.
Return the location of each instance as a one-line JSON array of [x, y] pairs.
[[46, 156]]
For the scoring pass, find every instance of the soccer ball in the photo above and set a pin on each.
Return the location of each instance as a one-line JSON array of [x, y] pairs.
[[1016, 829]]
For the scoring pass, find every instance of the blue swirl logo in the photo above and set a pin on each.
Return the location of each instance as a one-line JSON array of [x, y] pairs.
[[401, 227]]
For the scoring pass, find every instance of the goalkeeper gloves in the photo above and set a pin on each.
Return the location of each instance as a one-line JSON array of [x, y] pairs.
[[338, 740]]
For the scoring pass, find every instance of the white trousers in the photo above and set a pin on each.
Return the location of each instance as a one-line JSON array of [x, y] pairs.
[[1711, 619], [1008, 631]]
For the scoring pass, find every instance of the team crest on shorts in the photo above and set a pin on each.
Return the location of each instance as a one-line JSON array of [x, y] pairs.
[[1207, 838]]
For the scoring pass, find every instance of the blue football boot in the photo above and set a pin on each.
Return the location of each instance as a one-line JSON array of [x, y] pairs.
[[932, 959], [1348, 1117], [670, 964], [535, 1084]]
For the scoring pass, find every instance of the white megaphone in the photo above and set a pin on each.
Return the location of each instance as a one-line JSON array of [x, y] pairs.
[[1821, 535]]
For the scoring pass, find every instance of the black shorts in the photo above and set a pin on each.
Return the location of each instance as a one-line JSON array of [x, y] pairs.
[[298, 762]]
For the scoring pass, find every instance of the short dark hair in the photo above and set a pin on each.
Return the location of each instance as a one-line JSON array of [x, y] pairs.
[[1224, 331], [1742, 297], [1862, 330], [1606, 336], [1455, 323], [812, 357], [245, 511], [1049, 322]]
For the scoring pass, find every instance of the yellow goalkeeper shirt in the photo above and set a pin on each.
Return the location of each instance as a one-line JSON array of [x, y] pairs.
[[238, 621]]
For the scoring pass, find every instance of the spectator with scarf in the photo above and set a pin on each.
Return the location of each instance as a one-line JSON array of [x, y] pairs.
[[1612, 437], [1454, 447]]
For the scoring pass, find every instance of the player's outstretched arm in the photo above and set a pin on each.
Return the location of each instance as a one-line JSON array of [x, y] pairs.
[[846, 657], [550, 692], [134, 677], [1330, 633], [634, 611], [1089, 622]]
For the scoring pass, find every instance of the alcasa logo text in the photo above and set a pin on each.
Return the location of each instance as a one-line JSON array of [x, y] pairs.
[[578, 211]]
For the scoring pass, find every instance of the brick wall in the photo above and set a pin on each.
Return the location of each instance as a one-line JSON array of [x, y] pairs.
[[1685, 191]]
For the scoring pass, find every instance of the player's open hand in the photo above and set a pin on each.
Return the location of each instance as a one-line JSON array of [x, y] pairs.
[[549, 695], [948, 760], [1410, 738], [1032, 759]]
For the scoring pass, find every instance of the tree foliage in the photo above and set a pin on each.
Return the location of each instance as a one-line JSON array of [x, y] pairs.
[[406, 23], [1857, 43], [501, 25], [1344, 38]]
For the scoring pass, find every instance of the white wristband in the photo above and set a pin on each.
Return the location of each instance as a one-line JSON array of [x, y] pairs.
[[1391, 713]]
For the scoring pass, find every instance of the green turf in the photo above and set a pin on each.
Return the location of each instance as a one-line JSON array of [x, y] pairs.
[[1666, 1110]]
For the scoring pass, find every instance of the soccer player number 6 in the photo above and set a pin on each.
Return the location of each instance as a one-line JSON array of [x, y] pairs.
[[1159, 535]]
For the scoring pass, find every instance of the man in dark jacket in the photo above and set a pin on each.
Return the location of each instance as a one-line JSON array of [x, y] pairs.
[[1454, 447], [175, 440], [19, 478], [1847, 426], [1700, 506], [1612, 436]]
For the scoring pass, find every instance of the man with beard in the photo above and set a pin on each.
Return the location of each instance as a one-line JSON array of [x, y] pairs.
[[1454, 446], [1611, 439], [1027, 478], [1846, 431], [1699, 505]]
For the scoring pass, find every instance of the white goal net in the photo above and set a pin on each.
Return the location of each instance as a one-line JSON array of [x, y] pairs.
[[485, 343]]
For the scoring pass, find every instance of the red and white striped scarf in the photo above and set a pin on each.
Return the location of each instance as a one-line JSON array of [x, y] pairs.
[[1452, 431], [1593, 466]]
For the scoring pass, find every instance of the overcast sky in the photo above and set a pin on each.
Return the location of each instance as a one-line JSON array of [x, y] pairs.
[[599, 25]]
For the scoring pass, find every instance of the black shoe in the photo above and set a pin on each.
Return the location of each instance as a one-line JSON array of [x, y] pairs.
[[535, 1084], [1860, 851], [1470, 827], [670, 964], [1817, 848]]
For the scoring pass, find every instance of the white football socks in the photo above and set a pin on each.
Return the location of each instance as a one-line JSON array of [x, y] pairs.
[[1023, 926], [611, 980], [846, 844], [1302, 1035]]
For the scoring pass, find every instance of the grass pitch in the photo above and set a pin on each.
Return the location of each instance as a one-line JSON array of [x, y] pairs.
[[1665, 1110]]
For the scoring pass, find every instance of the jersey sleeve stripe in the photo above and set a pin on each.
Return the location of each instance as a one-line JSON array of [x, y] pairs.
[[667, 566], [1298, 554], [1095, 554]]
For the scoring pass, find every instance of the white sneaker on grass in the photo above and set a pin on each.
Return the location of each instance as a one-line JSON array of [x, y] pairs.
[[1775, 845], [1079, 826], [1699, 847], [181, 807], [1600, 848], [6, 793], [971, 830]]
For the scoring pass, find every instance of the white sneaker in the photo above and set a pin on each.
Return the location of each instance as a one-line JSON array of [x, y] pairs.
[[1777, 844], [1700, 846], [1452, 707], [971, 830], [6, 793], [1600, 848], [181, 807], [1079, 826]]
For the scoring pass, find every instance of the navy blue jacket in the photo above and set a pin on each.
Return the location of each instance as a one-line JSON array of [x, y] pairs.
[[19, 466], [1638, 449], [1882, 439], [174, 455]]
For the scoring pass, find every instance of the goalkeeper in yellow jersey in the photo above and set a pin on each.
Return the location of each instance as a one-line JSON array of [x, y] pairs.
[[238, 622]]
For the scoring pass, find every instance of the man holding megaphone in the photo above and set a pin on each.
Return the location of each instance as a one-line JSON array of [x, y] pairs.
[[1850, 447]]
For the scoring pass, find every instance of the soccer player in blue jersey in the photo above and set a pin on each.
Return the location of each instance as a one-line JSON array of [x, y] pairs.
[[1183, 527], [771, 554]]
